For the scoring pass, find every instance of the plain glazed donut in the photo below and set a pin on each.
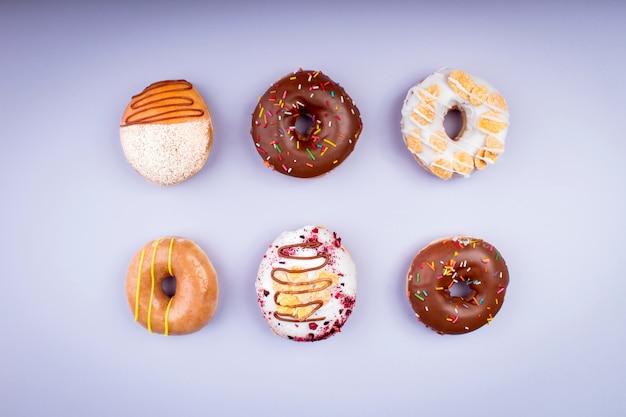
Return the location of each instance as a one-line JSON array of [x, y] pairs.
[[485, 123], [166, 132], [306, 284], [464, 261], [195, 298], [335, 125]]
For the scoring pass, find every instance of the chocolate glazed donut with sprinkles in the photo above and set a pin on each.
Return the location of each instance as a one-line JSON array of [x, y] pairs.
[[457, 284], [305, 125]]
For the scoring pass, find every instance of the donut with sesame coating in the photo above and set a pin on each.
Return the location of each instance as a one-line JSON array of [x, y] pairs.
[[305, 125], [167, 132], [485, 120], [457, 284]]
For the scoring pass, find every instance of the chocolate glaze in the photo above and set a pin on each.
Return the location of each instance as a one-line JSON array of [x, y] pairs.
[[335, 125], [307, 287], [444, 263]]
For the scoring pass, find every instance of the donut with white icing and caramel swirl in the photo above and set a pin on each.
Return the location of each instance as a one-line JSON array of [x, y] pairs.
[[305, 150], [485, 117], [457, 284], [306, 284], [192, 303], [167, 132]]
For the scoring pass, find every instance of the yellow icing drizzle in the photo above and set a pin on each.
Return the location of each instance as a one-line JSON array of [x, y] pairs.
[[169, 304], [143, 252], [167, 313], [152, 277], [169, 258], [156, 244]]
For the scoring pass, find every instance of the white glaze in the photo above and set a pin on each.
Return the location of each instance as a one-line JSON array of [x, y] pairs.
[[472, 140], [338, 298]]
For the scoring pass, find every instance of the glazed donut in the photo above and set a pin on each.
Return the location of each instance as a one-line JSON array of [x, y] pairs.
[[335, 125], [306, 284], [485, 123], [166, 132], [195, 299], [472, 264]]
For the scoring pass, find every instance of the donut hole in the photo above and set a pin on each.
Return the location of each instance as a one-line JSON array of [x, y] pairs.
[[168, 285], [460, 289], [304, 123], [454, 123]]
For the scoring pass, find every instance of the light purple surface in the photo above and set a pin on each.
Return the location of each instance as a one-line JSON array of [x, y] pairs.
[[74, 211]]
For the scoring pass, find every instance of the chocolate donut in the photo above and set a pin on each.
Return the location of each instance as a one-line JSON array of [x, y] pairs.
[[332, 129], [472, 264]]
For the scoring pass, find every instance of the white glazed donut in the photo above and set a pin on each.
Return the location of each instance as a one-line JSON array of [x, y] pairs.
[[485, 123], [306, 284]]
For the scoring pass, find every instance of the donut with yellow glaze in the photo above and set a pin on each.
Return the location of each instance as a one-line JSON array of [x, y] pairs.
[[481, 138], [195, 299]]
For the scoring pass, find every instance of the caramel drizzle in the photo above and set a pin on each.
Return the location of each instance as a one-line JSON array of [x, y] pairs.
[[169, 106], [326, 281], [152, 283]]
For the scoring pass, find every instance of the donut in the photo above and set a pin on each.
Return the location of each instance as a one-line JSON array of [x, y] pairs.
[[195, 298], [166, 132], [485, 123], [306, 284], [457, 284], [329, 125]]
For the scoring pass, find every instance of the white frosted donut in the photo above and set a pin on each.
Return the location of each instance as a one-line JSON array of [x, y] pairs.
[[306, 284], [482, 136]]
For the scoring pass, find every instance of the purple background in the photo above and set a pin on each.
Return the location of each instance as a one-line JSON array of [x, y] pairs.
[[74, 212]]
